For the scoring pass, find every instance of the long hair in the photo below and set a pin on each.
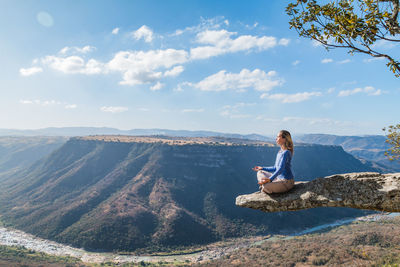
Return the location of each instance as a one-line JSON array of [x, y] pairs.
[[288, 140]]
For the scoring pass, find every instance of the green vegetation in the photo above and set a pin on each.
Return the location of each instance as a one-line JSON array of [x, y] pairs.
[[357, 244], [142, 263], [393, 138], [20, 256], [355, 25]]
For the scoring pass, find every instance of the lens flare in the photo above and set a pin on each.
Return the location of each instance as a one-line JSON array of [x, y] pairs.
[[45, 19]]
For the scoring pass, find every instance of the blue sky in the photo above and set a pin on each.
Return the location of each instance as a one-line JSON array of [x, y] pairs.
[[227, 66]]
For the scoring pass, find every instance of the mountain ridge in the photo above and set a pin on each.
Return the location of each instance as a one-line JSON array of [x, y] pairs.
[[369, 148]]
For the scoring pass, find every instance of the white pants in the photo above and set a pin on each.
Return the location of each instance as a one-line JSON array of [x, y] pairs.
[[277, 185]]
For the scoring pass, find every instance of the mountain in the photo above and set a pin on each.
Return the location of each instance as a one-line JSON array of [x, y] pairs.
[[18, 153], [124, 193], [371, 149], [84, 131]]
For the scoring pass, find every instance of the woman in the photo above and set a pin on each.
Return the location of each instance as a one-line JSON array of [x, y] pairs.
[[279, 178]]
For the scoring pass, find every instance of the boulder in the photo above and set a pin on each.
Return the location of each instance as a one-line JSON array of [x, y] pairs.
[[365, 190]]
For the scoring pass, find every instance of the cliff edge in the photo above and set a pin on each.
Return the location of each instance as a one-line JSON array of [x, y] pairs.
[[364, 190]]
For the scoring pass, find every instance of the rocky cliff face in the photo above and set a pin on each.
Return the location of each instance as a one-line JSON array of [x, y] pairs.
[[116, 193], [364, 190]]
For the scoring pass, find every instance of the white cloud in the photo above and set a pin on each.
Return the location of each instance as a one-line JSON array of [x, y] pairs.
[[291, 98], [140, 67], [71, 106], [175, 71], [115, 31], [157, 86], [315, 124], [50, 103], [383, 44], [178, 32], [312, 121], [136, 76], [234, 111], [315, 43], [255, 24], [369, 90], [137, 67], [331, 90], [369, 60], [284, 41], [302, 121], [77, 50], [205, 24], [295, 63], [203, 52], [257, 79], [113, 109], [344, 61], [43, 103], [26, 102], [326, 60], [327, 105], [179, 87], [143, 32], [192, 110], [376, 92], [143, 67], [30, 71], [220, 42], [73, 64]]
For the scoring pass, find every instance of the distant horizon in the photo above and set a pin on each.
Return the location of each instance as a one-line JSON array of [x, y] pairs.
[[177, 130]]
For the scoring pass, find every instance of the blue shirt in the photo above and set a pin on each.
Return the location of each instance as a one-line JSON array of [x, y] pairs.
[[283, 167]]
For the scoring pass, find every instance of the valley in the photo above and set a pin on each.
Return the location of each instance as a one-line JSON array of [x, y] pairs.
[[149, 194], [367, 248]]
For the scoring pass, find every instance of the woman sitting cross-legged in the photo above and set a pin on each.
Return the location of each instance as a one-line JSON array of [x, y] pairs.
[[279, 178]]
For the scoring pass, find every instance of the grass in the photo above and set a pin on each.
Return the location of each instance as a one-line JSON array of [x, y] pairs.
[[357, 244], [20, 256]]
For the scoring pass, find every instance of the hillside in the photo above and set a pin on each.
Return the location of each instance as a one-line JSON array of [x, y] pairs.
[[19, 152], [12, 256], [125, 193], [374, 243], [370, 148]]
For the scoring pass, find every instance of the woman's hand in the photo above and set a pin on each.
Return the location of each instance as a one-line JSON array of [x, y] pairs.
[[257, 168], [264, 181]]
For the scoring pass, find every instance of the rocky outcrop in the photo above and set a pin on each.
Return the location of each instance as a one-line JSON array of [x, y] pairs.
[[365, 190]]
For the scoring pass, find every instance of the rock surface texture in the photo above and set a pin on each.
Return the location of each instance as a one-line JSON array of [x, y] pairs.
[[365, 190]]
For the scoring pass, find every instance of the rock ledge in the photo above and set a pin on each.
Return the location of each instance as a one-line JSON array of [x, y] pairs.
[[365, 190]]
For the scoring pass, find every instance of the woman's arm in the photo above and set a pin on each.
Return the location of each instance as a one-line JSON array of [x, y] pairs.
[[268, 169], [281, 164]]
